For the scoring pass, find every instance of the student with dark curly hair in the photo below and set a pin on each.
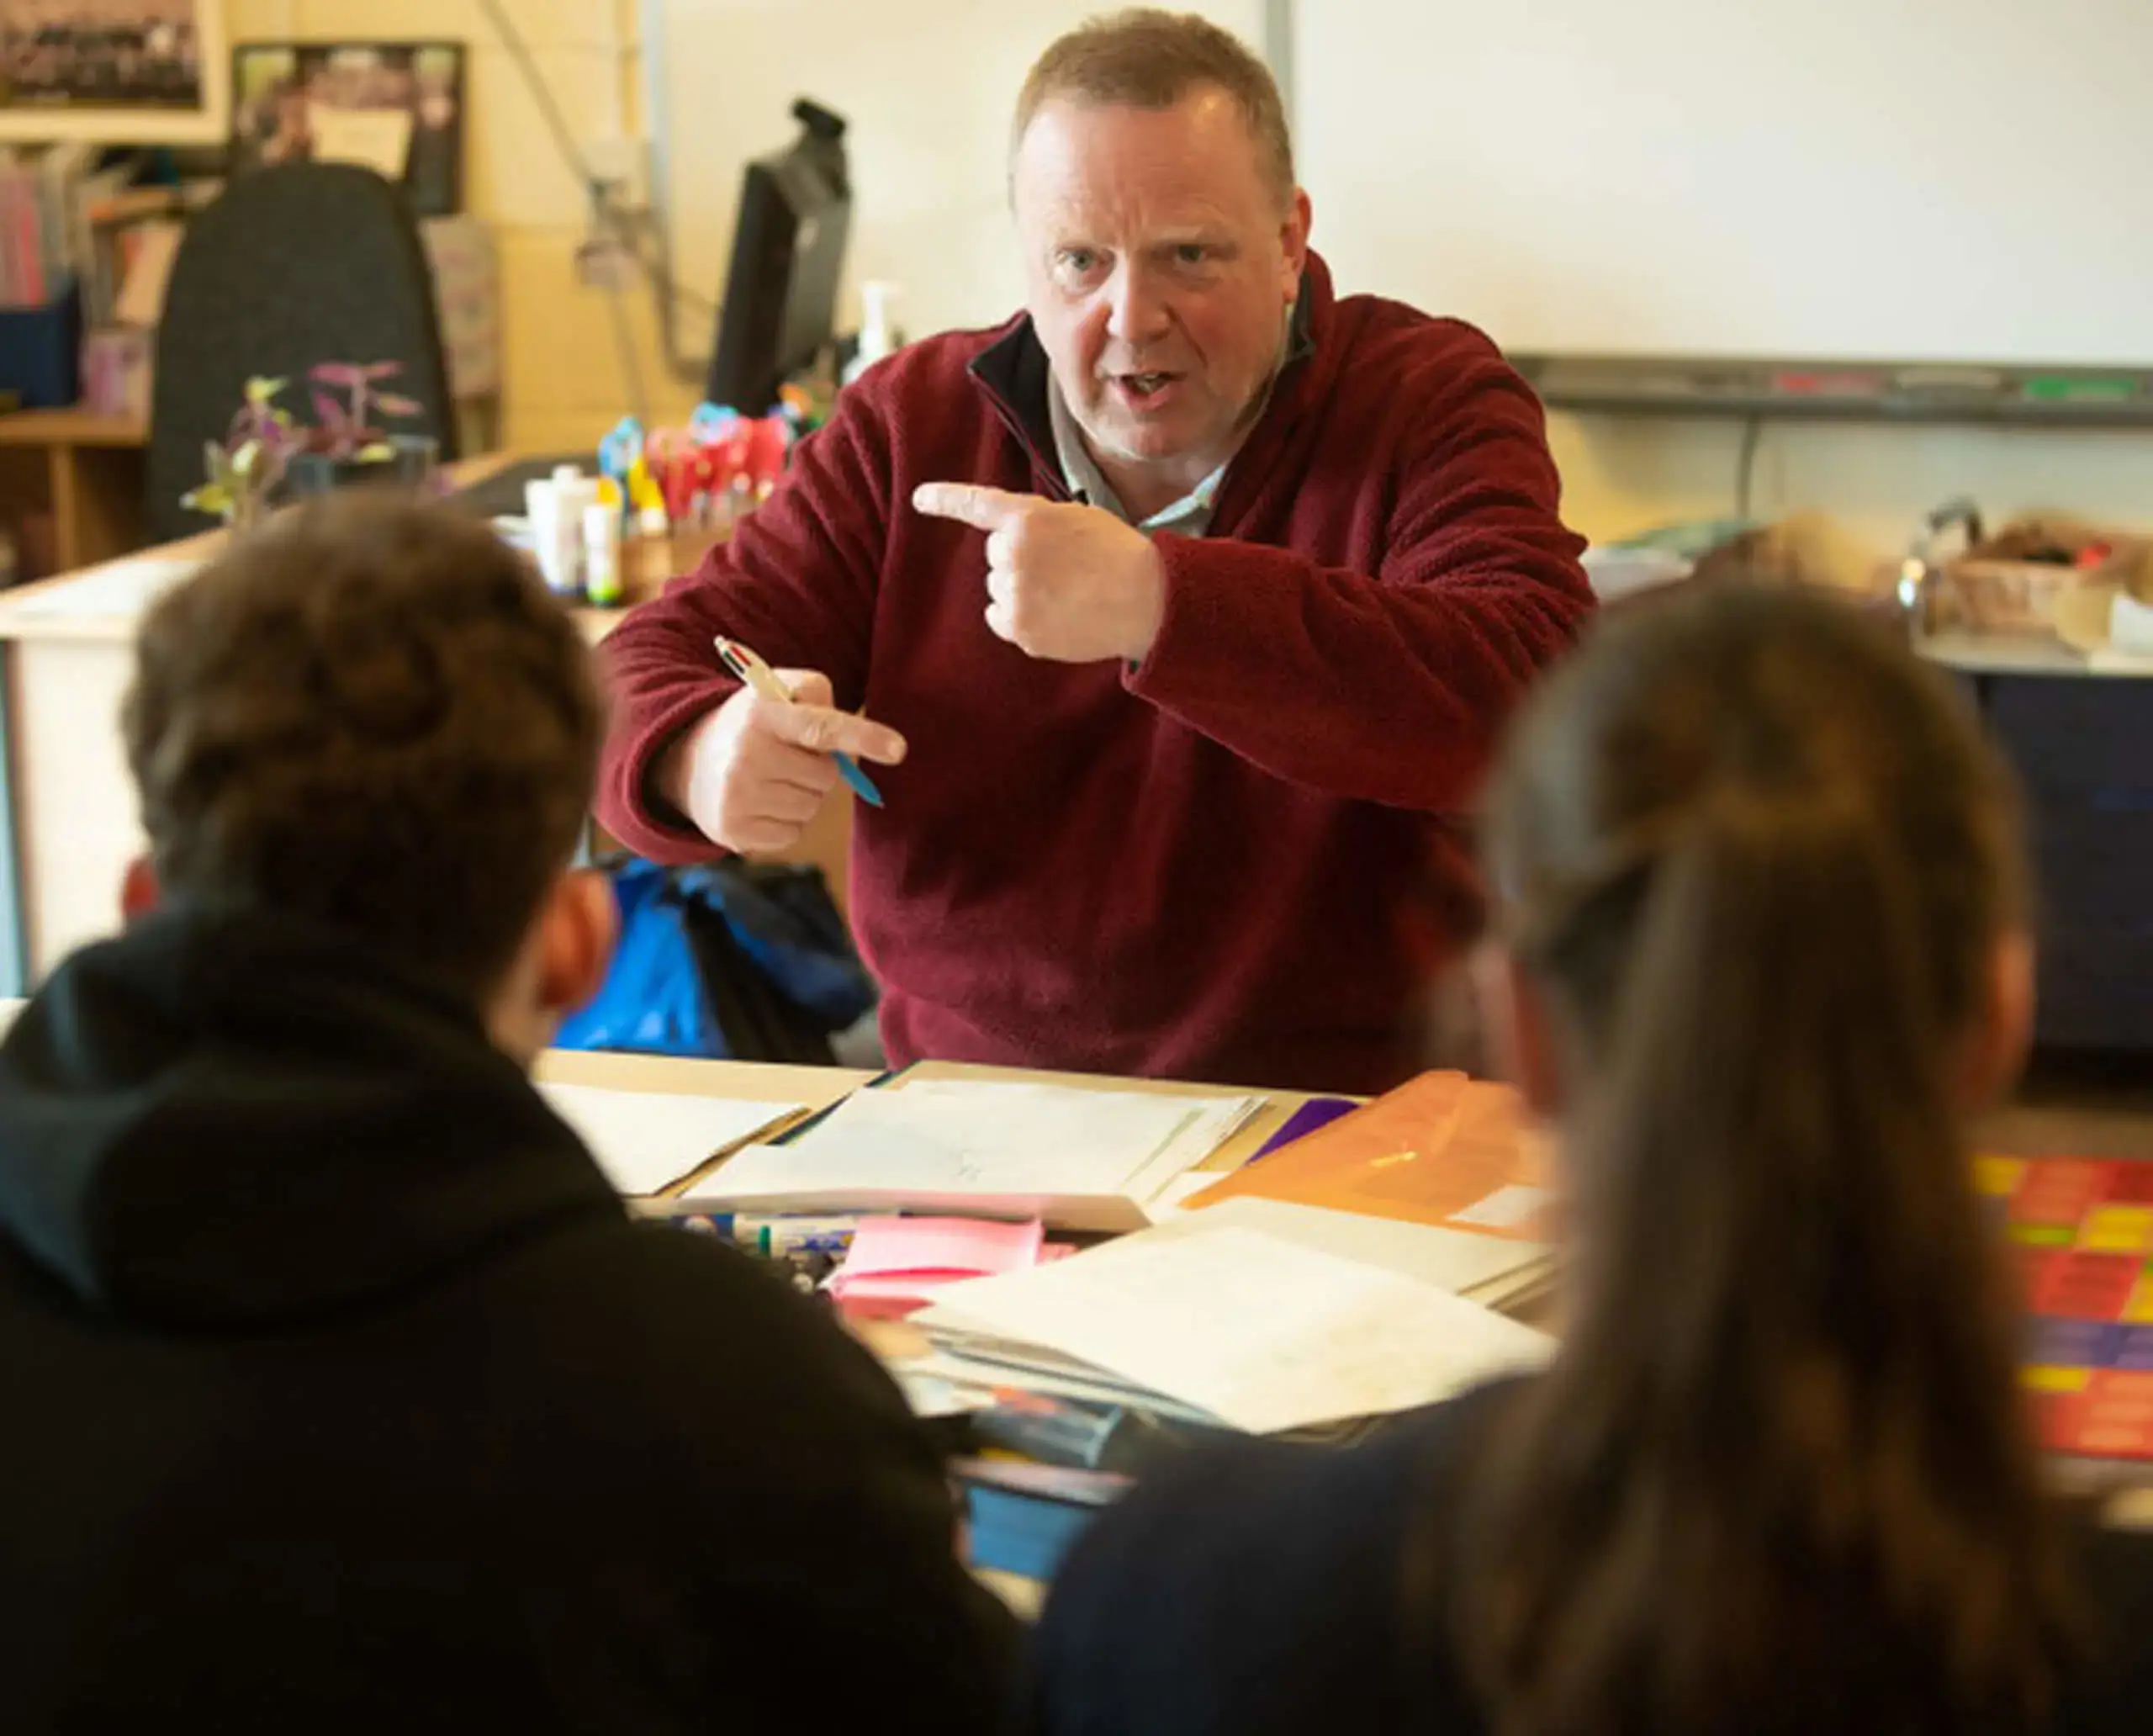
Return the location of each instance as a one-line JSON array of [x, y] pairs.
[[341, 1394]]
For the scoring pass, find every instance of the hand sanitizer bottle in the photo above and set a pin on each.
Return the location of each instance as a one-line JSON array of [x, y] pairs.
[[876, 340]]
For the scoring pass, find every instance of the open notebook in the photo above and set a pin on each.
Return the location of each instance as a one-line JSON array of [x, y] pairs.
[[1078, 1159]]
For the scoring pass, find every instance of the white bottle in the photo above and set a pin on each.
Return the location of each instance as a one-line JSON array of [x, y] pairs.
[[574, 495], [541, 507], [876, 340]]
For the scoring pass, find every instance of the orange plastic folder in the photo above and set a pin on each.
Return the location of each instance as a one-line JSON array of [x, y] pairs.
[[1442, 1149]]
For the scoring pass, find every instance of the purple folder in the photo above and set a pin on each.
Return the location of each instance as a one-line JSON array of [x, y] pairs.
[[1316, 1112]]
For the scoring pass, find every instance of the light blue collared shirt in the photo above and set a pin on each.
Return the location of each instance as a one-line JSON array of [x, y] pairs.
[[1189, 516]]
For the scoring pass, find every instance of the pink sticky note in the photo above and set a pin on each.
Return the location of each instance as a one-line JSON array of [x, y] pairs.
[[971, 1247], [896, 1261]]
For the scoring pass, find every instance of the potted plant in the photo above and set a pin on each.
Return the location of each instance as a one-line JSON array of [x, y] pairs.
[[242, 471], [345, 446]]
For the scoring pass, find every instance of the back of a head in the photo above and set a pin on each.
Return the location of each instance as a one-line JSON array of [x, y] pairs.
[[1145, 57], [370, 712], [1757, 864], [1772, 715]]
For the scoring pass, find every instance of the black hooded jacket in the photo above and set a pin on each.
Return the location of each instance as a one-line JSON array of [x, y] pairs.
[[338, 1393]]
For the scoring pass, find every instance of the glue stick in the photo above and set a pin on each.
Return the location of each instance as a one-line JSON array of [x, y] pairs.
[[601, 554]]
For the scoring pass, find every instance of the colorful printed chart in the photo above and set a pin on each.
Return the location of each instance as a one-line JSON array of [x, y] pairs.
[[2082, 1229]]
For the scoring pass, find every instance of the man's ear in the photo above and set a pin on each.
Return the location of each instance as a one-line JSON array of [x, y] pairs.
[[1293, 238], [577, 927], [138, 892], [2003, 1026], [1519, 1033]]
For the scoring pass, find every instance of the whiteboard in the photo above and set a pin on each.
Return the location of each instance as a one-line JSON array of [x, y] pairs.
[[927, 86], [1898, 179]]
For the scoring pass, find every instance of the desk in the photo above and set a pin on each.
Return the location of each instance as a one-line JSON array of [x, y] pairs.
[[771, 1081], [2129, 1497], [86, 471], [817, 1087], [68, 823]]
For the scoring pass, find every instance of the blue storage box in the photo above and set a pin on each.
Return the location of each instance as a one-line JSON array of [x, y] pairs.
[[41, 352]]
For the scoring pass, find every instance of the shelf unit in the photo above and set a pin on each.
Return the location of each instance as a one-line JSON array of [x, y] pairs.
[[2022, 395]]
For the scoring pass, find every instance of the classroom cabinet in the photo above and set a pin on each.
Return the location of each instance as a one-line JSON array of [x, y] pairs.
[[2083, 748]]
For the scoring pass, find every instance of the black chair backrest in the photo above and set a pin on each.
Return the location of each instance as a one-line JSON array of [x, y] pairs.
[[290, 267]]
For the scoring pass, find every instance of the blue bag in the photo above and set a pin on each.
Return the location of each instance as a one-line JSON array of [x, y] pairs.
[[730, 960], [653, 1002]]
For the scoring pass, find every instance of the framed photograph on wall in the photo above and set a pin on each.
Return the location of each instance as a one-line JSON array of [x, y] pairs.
[[396, 107], [121, 71]]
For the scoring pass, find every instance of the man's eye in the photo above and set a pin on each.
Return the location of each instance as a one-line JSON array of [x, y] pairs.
[[1192, 253], [1078, 260]]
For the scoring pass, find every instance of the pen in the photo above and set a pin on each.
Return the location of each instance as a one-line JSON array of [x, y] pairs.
[[745, 666]]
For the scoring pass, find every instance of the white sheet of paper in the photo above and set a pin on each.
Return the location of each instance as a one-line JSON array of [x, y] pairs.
[[1262, 1333], [377, 139], [940, 1138], [2130, 625], [1505, 1209], [642, 1140], [124, 588], [1454, 1260]]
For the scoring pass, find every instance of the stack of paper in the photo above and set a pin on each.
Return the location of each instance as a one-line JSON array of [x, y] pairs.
[[1453, 1157], [1218, 1322], [1078, 1159], [647, 1140]]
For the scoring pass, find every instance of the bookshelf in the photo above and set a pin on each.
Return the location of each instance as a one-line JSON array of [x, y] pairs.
[[80, 472], [73, 427]]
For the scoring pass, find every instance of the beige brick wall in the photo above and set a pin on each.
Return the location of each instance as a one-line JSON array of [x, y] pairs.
[[563, 382]]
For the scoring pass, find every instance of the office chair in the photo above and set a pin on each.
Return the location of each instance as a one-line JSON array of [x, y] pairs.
[[288, 267]]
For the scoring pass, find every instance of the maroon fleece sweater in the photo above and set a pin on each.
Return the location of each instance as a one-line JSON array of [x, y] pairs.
[[1240, 861]]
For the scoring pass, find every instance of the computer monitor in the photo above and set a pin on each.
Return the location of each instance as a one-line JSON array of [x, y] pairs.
[[781, 292]]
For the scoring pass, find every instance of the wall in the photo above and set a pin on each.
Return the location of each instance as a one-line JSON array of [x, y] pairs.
[[1776, 179], [927, 89], [564, 384], [1683, 175], [1622, 474]]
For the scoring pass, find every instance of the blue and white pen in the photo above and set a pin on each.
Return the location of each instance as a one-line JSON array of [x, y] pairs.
[[744, 665]]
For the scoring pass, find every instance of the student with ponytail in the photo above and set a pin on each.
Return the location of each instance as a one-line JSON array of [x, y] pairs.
[[1759, 950]]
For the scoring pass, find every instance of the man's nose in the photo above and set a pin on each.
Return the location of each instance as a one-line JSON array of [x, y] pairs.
[[1136, 311]]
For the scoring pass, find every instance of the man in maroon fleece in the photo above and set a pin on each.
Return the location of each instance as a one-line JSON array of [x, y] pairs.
[[1186, 606]]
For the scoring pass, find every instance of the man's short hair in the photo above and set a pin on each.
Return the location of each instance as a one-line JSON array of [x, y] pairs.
[[1147, 58], [369, 712]]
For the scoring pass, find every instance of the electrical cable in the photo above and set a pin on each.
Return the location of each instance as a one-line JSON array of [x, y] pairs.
[[606, 215], [1745, 466]]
